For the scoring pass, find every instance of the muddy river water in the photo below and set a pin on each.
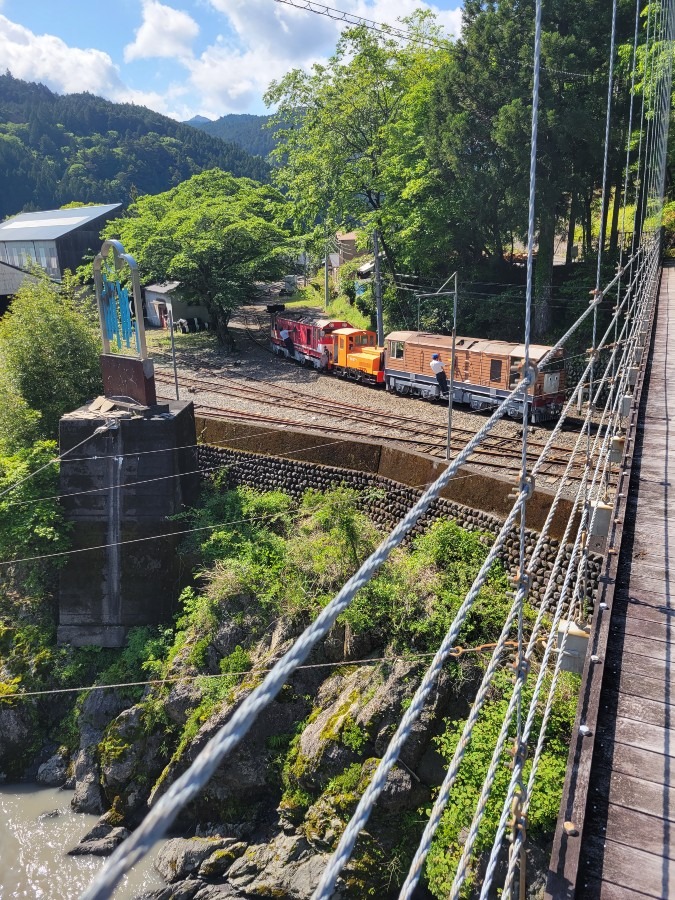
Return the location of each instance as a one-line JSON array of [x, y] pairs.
[[37, 828]]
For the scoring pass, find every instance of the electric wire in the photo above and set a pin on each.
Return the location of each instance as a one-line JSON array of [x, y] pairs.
[[51, 462], [457, 653]]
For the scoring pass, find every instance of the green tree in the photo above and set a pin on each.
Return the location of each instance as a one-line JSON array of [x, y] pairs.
[[350, 140], [214, 233], [49, 360], [481, 124]]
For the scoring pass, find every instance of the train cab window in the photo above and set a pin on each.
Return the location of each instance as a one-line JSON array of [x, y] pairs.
[[495, 370], [396, 349], [342, 343], [361, 339]]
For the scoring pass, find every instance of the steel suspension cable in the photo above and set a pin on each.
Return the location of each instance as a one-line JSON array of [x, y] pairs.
[[347, 841], [519, 757], [540, 744]]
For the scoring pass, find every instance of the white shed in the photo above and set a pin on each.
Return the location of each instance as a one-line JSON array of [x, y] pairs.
[[158, 297]]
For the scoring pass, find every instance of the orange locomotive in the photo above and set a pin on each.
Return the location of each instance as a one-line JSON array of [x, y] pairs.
[[485, 372], [329, 344]]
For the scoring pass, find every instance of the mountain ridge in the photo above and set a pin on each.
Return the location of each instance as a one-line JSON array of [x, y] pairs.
[[248, 131], [59, 148]]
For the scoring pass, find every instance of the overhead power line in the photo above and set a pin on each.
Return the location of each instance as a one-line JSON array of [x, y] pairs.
[[340, 15]]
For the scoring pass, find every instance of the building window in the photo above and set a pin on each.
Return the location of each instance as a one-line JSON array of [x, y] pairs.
[[495, 370], [396, 349]]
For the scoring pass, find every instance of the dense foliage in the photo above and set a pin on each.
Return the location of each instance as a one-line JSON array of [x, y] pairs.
[[214, 233], [430, 145], [545, 801], [49, 360], [54, 149], [247, 131]]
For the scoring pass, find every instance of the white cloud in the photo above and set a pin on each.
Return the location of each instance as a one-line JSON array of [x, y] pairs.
[[262, 41], [270, 38], [164, 32], [48, 59], [65, 69], [388, 13]]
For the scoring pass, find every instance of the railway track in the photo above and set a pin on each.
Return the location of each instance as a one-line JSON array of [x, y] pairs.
[[500, 453]]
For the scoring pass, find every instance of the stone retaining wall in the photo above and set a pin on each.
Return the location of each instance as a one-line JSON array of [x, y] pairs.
[[386, 501], [470, 486]]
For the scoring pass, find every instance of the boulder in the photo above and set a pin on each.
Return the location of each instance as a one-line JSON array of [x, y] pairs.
[[54, 772], [183, 857], [286, 867], [220, 860], [88, 796], [194, 890], [16, 732], [100, 841], [98, 710]]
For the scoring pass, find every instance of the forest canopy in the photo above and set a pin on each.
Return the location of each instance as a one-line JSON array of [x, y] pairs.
[[428, 142], [54, 149]]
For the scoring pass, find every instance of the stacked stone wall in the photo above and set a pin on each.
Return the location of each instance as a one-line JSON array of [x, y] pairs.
[[386, 502]]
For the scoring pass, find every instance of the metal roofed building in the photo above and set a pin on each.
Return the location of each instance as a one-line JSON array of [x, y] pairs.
[[55, 239]]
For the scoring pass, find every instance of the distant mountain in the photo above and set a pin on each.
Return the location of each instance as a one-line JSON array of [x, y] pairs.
[[198, 120], [249, 132], [55, 149]]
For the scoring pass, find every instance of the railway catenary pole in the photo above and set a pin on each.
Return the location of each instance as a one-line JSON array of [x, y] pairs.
[[441, 293], [378, 291], [452, 370]]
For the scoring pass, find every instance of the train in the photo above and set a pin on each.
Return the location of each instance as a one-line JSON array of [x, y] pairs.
[[485, 372]]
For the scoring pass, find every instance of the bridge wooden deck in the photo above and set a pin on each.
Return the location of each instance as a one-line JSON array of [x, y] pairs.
[[626, 840]]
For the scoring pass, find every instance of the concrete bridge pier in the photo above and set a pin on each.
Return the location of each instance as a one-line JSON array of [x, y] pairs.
[[119, 491]]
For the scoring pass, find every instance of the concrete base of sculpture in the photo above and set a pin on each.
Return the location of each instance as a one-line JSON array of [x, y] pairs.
[[119, 490]]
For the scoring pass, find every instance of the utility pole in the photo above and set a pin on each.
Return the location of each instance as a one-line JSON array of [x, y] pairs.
[[448, 450], [169, 309], [325, 276], [378, 292]]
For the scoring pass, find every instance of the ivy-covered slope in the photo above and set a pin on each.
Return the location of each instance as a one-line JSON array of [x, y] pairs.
[[265, 565], [78, 147]]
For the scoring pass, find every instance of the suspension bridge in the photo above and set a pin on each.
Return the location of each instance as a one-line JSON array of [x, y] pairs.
[[613, 833]]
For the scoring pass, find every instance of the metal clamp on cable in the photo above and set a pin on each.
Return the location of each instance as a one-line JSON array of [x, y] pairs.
[[518, 754], [527, 485], [110, 425], [597, 296], [521, 582], [521, 667]]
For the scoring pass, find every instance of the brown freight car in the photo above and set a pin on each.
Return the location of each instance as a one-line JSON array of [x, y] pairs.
[[484, 372]]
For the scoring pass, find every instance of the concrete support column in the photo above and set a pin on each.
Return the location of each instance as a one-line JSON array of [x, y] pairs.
[[124, 484]]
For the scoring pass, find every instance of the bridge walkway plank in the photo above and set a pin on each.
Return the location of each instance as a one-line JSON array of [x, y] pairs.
[[627, 845]]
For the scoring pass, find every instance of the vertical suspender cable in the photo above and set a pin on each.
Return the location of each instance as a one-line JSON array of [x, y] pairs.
[[526, 484], [636, 31]]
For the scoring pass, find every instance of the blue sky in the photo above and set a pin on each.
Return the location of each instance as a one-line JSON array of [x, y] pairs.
[[179, 57]]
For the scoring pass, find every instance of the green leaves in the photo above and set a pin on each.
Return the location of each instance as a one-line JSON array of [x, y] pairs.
[[49, 361], [214, 233]]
